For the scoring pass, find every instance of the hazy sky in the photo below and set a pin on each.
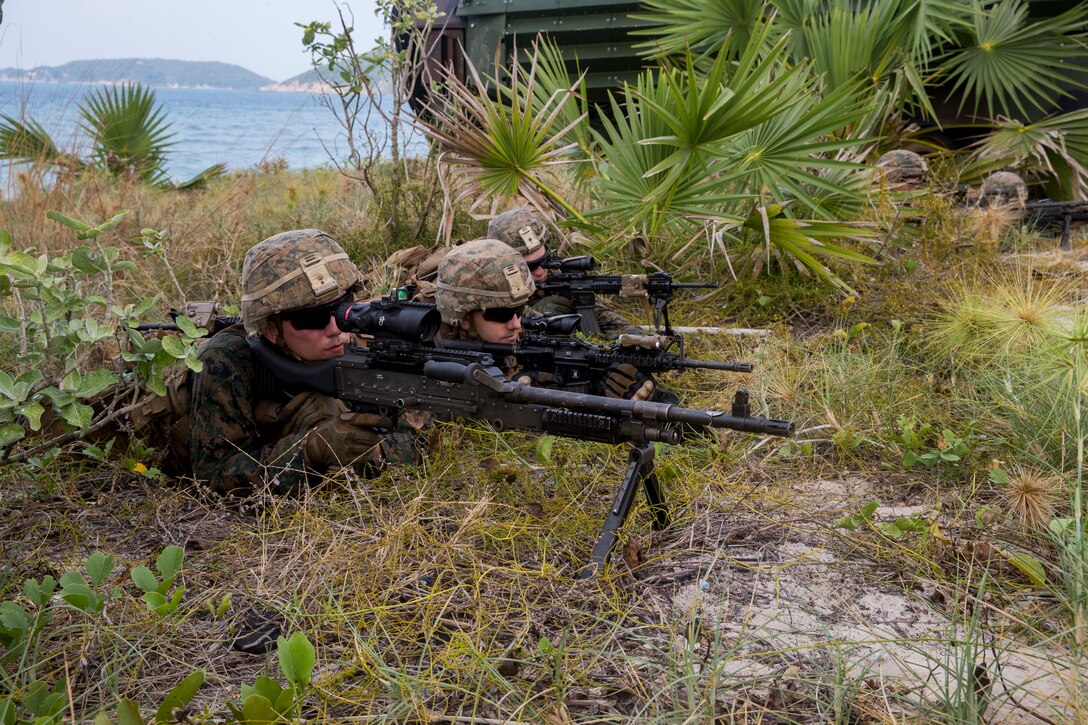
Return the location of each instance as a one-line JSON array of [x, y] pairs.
[[256, 34]]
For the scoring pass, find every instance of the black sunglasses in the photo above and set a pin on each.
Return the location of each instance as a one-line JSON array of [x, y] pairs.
[[502, 315], [314, 318], [536, 263]]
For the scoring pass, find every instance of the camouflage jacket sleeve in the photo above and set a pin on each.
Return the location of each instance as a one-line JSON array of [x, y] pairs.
[[228, 446], [612, 323]]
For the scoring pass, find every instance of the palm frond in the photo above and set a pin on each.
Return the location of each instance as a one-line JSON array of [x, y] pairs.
[[698, 25], [1055, 148], [1008, 62], [774, 239], [29, 143], [789, 155], [129, 131], [202, 179], [504, 145]]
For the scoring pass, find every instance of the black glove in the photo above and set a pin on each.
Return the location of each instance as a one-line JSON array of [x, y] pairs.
[[626, 381]]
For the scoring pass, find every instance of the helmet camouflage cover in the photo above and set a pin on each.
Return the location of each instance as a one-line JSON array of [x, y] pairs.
[[1004, 186], [479, 275], [291, 271], [901, 165], [521, 228]]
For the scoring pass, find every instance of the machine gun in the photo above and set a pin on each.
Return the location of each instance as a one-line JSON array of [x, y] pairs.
[[1047, 214], [571, 278], [582, 364], [400, 369]]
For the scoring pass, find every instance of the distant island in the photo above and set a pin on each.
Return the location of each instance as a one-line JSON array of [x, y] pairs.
[[164, 73]]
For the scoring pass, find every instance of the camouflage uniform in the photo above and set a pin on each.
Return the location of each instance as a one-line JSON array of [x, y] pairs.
[[525, 231], [240, 436]]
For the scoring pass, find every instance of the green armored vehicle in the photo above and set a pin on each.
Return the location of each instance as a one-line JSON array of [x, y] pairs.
[[594, 35]]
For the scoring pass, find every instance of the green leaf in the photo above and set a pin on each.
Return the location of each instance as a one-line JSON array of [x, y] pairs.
[[7, 385], [11, 433], [88, 261], [297, 659], [40, 592], [128, 713], [8, 324], [544, 448], [258, 709], [154, 600], [186, 326], [68, 221], [144, 578], [174, 346], [999, 476], [95, 382], [179, 696], [99, 566], [156, 385], [79, 596], [33, 413], [1030, 567], [169, 561], [13, 616]]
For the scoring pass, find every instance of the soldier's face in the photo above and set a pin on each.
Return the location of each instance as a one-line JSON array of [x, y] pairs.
[[311, 345], [505, 333], [539, 272]]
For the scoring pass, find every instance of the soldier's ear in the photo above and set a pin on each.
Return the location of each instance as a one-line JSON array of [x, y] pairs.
[[463, 322], [270, 331]]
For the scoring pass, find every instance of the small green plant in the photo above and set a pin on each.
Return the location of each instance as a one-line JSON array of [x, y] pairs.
[[218, 610], [891, 529], [59, 316], [914, 441], [87, 594], [168, 565], [266, 700], [128, 711]]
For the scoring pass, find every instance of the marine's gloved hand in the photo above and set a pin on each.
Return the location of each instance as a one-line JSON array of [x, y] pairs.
[[538, 379], [306, 410], [347, 439], [626, 381]]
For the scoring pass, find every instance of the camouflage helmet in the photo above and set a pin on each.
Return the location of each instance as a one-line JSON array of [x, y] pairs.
[[479, 275], [521, 228], [902, 165], [291, 271], [1004, 187]]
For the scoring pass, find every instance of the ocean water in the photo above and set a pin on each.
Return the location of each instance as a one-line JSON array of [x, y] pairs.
[[238, 128]]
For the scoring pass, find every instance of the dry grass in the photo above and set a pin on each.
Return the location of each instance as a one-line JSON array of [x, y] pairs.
[[445, 593]]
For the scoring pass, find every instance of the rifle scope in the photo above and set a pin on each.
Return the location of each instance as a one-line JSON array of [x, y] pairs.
[[584, 263], [414, 321]]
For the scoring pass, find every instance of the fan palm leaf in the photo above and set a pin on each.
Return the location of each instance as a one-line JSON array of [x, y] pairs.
[[790, 154], [1055, 148], [1007, 62], [699, 25], [553, 81], [798, 244], [27, 142], [129, 131], [502, 145]]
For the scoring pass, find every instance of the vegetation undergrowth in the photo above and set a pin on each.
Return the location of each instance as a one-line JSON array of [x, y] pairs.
[[916, 551]]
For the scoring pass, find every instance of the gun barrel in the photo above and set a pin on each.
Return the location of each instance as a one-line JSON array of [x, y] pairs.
[[693, 285], [733, 367]]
